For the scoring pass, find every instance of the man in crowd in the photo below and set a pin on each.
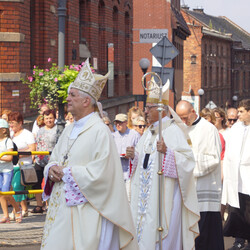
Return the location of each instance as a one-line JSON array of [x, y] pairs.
[[206, 149], [179, 205], [232, 117], [236, 187], [124, 137], [88, 206]]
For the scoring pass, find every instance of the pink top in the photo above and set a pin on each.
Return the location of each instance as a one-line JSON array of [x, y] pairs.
[[222, 141], [168, 164]]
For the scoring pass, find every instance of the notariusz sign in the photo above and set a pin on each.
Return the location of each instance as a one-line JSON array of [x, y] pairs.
[[152, 35]]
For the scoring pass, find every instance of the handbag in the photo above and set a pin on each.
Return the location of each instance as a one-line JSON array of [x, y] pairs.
[[28, 175]]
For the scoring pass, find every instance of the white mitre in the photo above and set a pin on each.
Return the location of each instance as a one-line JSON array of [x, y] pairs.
[[154, 92], [88, 82], [153, 97]]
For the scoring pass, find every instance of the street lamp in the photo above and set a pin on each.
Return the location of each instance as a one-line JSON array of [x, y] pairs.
[[144, 64], [62, 13], [200, 93], [235, 99]]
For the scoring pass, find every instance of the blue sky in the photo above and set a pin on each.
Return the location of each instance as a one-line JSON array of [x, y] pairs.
[[236, 10]]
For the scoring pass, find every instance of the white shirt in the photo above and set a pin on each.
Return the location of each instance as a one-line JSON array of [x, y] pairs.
[[22, 141], [4, 146], [78, 125]]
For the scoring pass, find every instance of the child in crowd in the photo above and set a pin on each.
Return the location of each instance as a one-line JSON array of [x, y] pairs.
[[6, 173]]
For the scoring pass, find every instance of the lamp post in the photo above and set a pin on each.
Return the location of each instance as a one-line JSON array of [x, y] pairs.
[[61, 59], [200, 93], [235, 99], [144, 64]]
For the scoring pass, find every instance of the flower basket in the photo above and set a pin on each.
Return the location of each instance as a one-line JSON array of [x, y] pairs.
[[48, 85]]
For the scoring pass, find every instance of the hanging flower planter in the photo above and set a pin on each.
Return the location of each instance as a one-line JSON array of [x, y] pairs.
[[48, 85]]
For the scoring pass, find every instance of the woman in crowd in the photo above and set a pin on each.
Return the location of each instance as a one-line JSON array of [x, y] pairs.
[[108, 123], [132, 114], [25, 141], [6, 173], [139, 124], [220, 117], [208, 114], [69, 119], [5, 114], [36, 127], [46, 141], [40, 121]]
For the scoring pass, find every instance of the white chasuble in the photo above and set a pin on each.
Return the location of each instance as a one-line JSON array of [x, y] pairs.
[[104, 222], [180, 213]]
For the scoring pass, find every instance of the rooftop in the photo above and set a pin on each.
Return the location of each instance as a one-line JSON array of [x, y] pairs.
[[221, 24]]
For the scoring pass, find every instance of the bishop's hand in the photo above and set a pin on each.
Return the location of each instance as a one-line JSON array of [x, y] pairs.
[[161, 146], [130, 152], [56, 173]]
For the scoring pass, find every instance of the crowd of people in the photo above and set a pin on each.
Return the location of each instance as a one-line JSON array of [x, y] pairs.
[[104, 178], [42, 138]]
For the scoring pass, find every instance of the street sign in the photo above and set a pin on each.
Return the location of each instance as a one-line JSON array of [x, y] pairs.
[[164, 51], [165, 74], [152, 35]]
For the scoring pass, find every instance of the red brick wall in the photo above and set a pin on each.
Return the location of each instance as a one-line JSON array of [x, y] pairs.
[[212, 69], [38, 21], [148, 14]]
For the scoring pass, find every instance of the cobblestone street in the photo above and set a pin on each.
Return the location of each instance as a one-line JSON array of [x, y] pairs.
[[29, 232]]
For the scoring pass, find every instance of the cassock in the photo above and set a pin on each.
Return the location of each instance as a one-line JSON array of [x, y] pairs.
[[180, 213], [236, 164], [236, 184], [103, 221], [206, 148]]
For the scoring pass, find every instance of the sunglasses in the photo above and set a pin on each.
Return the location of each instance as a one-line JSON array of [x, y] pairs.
[[232, 120], [141, 126]]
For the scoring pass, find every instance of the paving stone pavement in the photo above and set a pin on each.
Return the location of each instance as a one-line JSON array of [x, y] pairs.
[[28, 232]]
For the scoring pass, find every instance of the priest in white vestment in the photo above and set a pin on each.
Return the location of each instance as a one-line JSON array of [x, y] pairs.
[[180, 213], [88, 206], [236, 185], [206, 148]]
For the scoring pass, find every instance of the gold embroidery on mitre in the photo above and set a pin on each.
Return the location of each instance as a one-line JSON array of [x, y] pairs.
[[154, 92], [88, 82]]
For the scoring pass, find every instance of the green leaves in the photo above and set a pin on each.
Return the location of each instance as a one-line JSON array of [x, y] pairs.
[[48, 85]]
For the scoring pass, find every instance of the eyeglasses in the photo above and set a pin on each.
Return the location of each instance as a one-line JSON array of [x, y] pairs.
[[150, 107], [141, 126], [232, 120], [118, 123]]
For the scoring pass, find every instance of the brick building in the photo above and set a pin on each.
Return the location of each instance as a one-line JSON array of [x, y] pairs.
[[153, 15], [101, 30], [214, 61]]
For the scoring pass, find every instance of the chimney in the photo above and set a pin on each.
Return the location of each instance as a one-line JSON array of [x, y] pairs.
[[200, 10], [185, 7]]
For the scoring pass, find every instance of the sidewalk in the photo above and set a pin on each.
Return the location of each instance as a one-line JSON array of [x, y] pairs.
[[28, 232]]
